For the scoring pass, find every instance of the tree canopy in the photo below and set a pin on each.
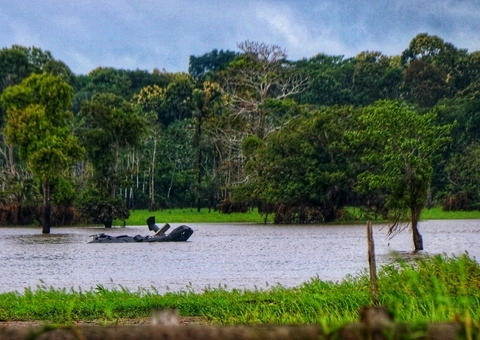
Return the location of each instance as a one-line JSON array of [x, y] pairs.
[[39, 124], [302, 139]]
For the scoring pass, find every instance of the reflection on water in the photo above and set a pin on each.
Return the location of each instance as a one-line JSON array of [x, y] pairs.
[[227, 255]]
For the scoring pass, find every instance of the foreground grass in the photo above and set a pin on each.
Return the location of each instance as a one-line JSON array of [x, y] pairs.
[[430, 289]]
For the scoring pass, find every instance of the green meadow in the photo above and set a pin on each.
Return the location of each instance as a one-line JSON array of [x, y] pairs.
[[191, 215]]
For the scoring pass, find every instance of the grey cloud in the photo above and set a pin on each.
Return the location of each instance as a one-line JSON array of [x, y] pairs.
[[164, 33]]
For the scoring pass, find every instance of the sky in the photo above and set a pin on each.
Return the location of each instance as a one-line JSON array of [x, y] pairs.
[[163, 34]]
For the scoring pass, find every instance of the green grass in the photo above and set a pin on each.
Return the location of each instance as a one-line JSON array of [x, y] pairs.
[[437, 213], [190, 215], [429, 289]]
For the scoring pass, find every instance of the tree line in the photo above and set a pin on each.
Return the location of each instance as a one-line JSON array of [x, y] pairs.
[[301, 140]]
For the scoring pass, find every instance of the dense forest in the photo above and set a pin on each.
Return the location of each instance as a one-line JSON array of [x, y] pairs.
[[300, 140]]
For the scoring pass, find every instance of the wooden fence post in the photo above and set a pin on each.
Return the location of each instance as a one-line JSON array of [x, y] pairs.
[[372, 264]]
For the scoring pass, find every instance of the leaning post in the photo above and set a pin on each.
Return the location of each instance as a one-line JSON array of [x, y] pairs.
[[372, 265]]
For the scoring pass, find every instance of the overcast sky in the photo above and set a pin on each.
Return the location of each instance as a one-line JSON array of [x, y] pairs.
[[148, 34]]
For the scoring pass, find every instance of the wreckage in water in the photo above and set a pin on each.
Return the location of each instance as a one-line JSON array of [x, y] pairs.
[[179, 234]]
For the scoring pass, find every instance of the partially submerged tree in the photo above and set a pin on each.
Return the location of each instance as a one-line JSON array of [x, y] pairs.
[[39, 123], [399, 148]]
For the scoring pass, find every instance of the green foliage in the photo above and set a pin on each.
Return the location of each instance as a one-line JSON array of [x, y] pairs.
[[425, 83], [375, 77], [60, 69], [109, 80], [399, 147], [210, 63], [172, 102], [431, 288], [304, 164], [464, 110], [176, 167], [39, 124], [463, 180], [436, 69], [259, 74], [95, 207], [330, 80], [63, 191], [178, 99], [122, 83], [14, 67], [108, 126], [232, 96]]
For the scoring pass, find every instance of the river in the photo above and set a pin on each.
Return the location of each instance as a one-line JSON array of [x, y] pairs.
[[231, 256]]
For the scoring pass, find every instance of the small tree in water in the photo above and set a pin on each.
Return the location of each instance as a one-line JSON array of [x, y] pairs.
[[399, 147]]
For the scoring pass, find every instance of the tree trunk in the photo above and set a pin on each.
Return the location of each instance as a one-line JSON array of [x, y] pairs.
[[46, 208], [115, 170], [198, 165], [152, 177], [417, 238]]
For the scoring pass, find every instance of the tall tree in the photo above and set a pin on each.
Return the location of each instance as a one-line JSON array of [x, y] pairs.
[[39, 123], [463, 180], [261, 72], [212, 62], [108, 125], [375, 77], [399, 147], [14, 67], [205, 102], [177, 103], [172, 102], [330, 80], [425, 84], [108, 80], [259, 75], [302, 168], [435, 69]]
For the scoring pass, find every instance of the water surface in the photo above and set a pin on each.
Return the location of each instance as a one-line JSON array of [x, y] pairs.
[[227, 255]]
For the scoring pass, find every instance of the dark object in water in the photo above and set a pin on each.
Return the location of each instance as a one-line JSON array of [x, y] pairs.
[[179, 234]]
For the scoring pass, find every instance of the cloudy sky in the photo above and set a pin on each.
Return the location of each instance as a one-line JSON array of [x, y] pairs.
[[148, 34]]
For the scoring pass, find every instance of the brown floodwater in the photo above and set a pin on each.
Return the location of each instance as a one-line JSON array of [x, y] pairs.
[[240, 256]]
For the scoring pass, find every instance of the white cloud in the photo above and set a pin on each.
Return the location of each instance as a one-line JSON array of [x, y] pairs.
[[300, 37]]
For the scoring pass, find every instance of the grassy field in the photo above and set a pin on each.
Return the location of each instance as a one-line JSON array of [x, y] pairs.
[[430, 289], [438, 214], [190, 215]]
